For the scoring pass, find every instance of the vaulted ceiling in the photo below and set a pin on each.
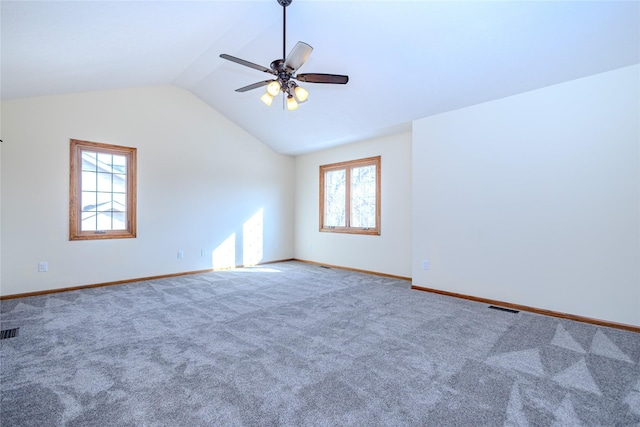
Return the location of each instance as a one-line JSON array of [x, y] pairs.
[[405, 59]]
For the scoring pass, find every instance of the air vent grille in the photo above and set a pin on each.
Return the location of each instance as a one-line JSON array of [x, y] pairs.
[[8, 333], [508, 310]]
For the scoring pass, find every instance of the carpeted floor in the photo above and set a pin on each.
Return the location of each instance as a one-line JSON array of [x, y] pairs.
[[294, 344]]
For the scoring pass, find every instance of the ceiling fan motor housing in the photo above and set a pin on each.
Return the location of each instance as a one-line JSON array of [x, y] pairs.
[[282, 73], [278, 66]]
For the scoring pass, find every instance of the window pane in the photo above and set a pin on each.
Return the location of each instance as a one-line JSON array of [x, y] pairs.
[[104, 202], [335, 198], [89, 181], [104, 221], [88, 161], [105, 162], [88, 201], [119, 202], [88, 221], [119, 221], [119, 164], [363, 197], [119, 183], [104, 182]]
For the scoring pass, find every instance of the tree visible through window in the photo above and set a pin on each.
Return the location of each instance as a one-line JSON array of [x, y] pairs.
[[350, 196], [102, 192]]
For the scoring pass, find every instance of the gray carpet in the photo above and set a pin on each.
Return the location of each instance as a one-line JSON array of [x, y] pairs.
[[294, 344]]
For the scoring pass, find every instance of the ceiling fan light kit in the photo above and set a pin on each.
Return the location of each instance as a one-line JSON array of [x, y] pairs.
[[301, 93], [267, 99], [273, 88], [291, 103], [284, 71]]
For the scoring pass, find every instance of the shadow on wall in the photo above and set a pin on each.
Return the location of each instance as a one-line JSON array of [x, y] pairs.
[[250, 244]]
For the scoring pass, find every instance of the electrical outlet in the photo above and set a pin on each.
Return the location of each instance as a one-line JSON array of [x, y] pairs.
[[180, 254], [425, 264], [43, 266], [275, 246], [203, 252]]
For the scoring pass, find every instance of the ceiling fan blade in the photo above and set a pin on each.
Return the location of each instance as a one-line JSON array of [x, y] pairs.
[[253, 86], [246, 63], [322, 78], [298, 55]]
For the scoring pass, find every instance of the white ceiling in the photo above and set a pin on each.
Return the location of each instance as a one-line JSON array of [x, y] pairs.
[[405, 59]]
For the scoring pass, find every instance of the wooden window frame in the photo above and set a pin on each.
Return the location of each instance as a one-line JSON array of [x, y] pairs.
[[347, 166], [75, 191]]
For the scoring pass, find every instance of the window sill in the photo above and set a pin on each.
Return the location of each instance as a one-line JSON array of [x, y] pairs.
[[345, 230]]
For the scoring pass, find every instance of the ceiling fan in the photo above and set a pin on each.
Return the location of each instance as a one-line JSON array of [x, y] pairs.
[[284, 71]]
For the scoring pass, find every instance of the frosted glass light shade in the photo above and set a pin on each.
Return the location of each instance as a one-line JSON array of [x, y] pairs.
[[273, 88], [291, 103], [266, 98], [301, 93]]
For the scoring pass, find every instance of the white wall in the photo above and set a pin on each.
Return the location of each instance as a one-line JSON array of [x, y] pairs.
[[389, 253], [1, 144], [535, 199], [200, 180]]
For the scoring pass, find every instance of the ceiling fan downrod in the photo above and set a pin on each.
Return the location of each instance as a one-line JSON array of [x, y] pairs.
[[284, 4], [278, 65]]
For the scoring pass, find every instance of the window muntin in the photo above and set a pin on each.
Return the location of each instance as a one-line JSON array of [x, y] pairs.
[[102, 191], [350, 197]]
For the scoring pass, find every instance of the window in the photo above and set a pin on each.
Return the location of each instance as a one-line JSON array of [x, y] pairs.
[[102, 195], [350, 197]]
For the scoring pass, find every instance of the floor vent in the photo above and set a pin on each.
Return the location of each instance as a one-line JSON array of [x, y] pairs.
[[8, 333], [508, 310], [323, 266]]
